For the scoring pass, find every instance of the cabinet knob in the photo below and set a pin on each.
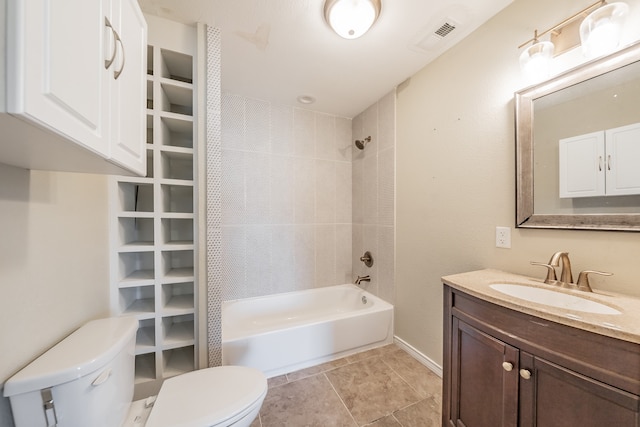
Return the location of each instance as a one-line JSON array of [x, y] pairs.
[[507, 366], [525, 373]]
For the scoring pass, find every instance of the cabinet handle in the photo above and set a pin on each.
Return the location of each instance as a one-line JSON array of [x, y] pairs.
[[599, 163], [116, 74], [525, 373], [109, 62], [507, 366], [609, 162]]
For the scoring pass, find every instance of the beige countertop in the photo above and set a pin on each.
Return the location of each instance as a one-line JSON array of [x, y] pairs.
[[624, 326]]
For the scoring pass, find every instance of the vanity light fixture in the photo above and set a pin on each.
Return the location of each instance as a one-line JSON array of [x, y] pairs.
[[350, 19], [535, 61], [600, 32]]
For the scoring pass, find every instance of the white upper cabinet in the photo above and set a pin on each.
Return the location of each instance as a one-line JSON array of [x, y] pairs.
[[623, 160], [76, 84], [603, 163], [129, 73]]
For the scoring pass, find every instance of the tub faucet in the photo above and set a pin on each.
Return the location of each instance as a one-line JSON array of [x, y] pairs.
[[361, 279]]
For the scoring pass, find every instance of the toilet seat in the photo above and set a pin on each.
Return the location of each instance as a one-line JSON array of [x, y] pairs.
[[208, 397]]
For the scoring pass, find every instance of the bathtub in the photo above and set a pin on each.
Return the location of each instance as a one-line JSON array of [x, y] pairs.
[[282, 333]]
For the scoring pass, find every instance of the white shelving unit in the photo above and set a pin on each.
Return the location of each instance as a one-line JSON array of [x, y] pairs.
[[153, 223]]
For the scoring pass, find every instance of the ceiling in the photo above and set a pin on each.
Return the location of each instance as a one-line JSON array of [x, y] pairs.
[[278, 50]]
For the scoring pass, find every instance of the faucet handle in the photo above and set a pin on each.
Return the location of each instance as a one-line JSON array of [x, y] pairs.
[[583, 279], [551, 271]]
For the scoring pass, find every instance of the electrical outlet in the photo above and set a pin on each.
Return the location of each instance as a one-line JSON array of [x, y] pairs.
[[503, 237]]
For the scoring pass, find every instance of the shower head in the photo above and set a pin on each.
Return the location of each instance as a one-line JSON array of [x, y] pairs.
[[361, 143]]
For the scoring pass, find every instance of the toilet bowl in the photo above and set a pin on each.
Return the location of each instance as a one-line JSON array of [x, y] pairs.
[[87, 380]]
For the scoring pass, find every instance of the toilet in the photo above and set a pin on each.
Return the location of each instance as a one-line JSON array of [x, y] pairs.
[[88, 378]]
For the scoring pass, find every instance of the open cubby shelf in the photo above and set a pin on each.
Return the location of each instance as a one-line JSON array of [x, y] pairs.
[[153, 226]]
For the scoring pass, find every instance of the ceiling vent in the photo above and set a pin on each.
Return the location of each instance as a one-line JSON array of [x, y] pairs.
[[445, 29], [433, 38]]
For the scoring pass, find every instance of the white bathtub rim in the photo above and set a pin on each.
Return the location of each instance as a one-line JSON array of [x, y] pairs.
[[378, 306]]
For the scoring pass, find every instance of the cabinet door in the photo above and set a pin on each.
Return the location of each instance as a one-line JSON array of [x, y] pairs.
[[128, 83], [484, 379], [623, 160], [582, 172], [55, 68], [557, 397]]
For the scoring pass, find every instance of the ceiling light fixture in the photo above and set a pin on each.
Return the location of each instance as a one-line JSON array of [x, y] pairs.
[[306, 99], [350, 19]]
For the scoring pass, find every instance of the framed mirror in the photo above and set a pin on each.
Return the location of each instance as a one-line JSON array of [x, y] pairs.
[[571, 170]]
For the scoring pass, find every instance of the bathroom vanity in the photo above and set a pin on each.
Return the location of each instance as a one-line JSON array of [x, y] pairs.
[[513, 362]]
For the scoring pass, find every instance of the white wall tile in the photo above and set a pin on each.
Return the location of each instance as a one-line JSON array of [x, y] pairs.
[[281, 201], [304, 133], [233, 262], [258, 249], [257, 125], [357, 250], [344, 274], [325, 183], [325, 240], [370, 190], [386, 187], [233, 174], [233, 122], [283, 258], [325, 137], [344, 141], [284, 172], [305, 256], [343, 193], [304, 190], [257, 187], [357, 190], [281, 129]]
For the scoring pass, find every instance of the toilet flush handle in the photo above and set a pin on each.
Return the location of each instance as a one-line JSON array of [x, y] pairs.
[[104, 376]]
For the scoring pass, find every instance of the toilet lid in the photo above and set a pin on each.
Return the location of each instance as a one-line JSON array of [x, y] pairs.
[[207, 397]]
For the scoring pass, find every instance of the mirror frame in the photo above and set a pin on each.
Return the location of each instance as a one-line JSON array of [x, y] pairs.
[[525, 216]]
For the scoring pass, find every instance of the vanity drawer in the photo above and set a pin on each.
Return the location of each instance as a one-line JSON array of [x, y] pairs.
[[606, 359]]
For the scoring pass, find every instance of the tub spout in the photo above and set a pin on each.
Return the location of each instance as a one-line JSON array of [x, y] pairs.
[[361, 279]]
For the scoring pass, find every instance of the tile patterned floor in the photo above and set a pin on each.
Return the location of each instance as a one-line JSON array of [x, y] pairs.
[[384, 387]]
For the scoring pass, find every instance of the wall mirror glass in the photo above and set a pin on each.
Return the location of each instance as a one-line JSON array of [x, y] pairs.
[[578, 147]]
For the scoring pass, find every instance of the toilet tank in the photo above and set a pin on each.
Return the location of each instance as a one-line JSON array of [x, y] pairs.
[[88, 376]]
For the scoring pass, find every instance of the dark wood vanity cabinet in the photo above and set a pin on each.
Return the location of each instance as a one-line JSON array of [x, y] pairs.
[[504, 368]]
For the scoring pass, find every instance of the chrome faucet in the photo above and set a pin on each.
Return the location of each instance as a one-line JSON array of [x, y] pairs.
[[566, 277], [361, 279]]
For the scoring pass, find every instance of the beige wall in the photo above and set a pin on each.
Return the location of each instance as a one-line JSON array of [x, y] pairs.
[[54, 269], [456, 178]]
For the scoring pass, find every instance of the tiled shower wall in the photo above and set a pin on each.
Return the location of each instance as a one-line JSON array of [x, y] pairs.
[[374, 196], [286, 198]]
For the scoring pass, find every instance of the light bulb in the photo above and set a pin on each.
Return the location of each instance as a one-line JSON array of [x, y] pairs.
[[535, 61], [600, 32]]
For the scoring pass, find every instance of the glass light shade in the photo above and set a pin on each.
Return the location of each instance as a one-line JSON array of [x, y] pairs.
[[535, 61], [351, 18], [600, 32]]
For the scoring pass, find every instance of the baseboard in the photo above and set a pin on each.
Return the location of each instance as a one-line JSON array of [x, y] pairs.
[[420, 357]]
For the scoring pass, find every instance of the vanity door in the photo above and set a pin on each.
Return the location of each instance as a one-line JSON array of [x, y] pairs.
[[484, 383], [553, 396]]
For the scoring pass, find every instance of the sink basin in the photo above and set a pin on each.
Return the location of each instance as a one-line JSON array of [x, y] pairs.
[[553, 298]]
